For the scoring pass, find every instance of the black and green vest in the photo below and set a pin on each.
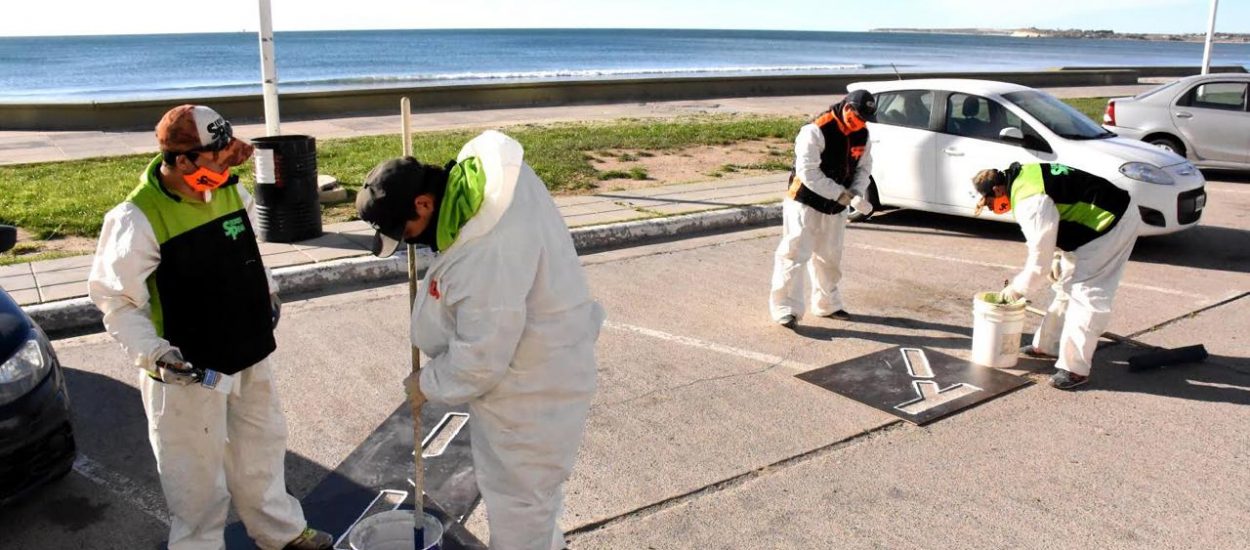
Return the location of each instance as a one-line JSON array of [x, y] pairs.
[[1089, 206], [209, 295], [838, 161]]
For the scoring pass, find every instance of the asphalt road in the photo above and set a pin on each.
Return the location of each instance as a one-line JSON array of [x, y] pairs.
[[701, 436]]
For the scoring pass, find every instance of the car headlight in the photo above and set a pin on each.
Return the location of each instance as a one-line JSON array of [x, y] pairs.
[[23, 371], [1148, 173]]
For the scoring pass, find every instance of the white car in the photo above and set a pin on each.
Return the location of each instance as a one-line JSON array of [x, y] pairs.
[[931, 136], [1205, 118]]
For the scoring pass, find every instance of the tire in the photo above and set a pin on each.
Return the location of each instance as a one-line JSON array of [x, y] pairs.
[[1169, 143], [873, 198]]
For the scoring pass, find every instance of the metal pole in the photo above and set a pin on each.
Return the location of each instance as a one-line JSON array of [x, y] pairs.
[[268, 75], [1206, 52]]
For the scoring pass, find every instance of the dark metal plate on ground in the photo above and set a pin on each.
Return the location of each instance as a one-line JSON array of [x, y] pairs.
[[377, 476], [914, 384]]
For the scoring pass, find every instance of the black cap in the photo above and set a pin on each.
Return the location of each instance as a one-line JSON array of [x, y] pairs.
[[386, 201], [864, 104]]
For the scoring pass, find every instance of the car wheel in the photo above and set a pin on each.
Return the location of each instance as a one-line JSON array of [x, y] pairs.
[[1167, 143], [854, 216]]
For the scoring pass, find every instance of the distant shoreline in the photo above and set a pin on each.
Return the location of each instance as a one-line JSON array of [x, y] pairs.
[[1033, 32]]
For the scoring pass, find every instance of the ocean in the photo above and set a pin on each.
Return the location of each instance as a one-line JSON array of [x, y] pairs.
[[107, 68]]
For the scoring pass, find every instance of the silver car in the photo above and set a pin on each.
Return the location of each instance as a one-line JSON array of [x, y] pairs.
[[1204, 118]]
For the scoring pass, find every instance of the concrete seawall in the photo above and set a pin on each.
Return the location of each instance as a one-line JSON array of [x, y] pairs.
[[124, 115]]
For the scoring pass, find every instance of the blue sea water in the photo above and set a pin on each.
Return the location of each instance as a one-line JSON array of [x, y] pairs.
[[95, 68]]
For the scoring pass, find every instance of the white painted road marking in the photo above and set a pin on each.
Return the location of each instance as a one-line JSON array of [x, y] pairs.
[[930, 394], [147, 501], [711, 346], [1160, 290]]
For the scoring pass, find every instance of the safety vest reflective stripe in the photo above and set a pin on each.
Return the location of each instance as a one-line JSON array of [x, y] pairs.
[[1031, 181]]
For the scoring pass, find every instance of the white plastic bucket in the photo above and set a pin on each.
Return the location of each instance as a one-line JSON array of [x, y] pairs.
[[996, 329], [393, 531]]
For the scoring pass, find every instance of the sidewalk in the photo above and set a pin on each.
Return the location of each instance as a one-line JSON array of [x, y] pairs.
[[66, 278]]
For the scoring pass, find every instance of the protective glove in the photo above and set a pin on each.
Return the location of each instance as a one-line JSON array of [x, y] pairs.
[[845, 198], [1056, 268], [1010, 295], [275, 308], [173, 369], [861, 205], [412, 386]]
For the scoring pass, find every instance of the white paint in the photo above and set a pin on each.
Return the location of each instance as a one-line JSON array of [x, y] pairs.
[[710, 346], [950, 259], [931, 396], [147, 501]]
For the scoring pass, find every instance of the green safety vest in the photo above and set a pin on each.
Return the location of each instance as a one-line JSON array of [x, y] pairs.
[[1089, 206], [209, 295]]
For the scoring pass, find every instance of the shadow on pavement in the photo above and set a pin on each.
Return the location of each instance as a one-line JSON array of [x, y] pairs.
[[1203, 247], [1219, 379], [114, 498]]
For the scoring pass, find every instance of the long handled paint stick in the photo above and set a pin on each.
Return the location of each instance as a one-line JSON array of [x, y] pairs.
[[418, 477]]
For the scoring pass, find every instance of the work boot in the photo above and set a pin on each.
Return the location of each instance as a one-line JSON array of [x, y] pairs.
[[311, 539], [1030, 351], [1065, 380], [841, 315], [788, 321]]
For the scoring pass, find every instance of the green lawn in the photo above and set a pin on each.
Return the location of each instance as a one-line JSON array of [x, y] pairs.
[[69, 198]]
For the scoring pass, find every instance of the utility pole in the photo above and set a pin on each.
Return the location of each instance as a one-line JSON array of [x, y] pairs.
[[1206, 53], [269, 76]]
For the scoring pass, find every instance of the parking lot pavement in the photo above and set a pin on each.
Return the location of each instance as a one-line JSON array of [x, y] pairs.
[[701, 437]]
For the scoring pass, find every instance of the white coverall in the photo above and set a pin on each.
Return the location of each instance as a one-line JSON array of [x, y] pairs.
[[811, 237], [210, 447], [1086, 288], [506, 315]]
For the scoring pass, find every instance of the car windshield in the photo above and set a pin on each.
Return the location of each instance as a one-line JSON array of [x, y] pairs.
[[1061, 118]]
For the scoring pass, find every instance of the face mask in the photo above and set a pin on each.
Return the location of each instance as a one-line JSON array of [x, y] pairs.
[[205, 180], [1000, 204], [851, 120]]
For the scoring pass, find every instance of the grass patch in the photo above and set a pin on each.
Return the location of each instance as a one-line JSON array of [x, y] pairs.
[[634, 173], [70, 198], [1092, 107]]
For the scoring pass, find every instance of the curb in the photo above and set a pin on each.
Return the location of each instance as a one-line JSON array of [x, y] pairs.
[[79, 313]]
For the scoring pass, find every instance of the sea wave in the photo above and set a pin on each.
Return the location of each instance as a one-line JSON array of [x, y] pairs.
[[373, 81]]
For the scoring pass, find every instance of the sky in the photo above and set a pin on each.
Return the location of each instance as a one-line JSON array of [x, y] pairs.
[[78, 17]]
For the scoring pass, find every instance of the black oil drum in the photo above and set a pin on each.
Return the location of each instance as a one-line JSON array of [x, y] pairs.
[[287, 205]]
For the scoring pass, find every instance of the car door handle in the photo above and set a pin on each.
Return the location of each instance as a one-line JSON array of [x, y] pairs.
[[1184, 115], [953, 152]]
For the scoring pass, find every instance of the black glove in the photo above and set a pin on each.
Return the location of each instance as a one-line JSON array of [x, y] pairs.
[[275, 308]]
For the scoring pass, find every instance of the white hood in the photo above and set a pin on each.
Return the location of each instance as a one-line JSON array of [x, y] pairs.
[[1130, 150], [501, 158]]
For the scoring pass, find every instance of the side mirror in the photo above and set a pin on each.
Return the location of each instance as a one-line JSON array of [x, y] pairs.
[[1011, 134], [8, 237]]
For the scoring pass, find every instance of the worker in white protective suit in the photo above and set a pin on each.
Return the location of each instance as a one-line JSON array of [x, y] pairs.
[[178, 276], [1080, 230], [506, 315], [831, 171]]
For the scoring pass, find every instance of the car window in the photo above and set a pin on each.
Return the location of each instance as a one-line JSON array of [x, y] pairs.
[[979, 117], [908, 108], [1230, 96], [1060, 117]]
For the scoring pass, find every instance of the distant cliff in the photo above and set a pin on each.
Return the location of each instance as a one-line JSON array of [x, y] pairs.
[[1033, 32]]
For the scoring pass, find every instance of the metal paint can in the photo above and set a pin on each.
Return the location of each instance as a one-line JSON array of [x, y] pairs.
[[393, 530]]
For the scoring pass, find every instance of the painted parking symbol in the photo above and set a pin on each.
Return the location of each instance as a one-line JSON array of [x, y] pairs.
[[912, 383], [928, 392]]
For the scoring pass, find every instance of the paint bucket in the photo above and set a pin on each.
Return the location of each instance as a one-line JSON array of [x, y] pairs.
[[393, 531], [996, 329]]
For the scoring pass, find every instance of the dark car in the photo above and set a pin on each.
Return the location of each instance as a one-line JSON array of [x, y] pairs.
[[36, 438]]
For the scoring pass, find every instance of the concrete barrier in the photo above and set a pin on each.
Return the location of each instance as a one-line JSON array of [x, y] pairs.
[[127, 115]]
